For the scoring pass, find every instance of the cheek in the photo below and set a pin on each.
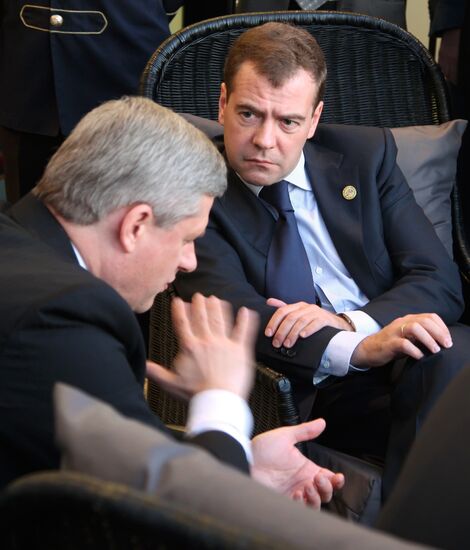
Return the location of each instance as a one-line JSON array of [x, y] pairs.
[[241, 138], [294, 145]]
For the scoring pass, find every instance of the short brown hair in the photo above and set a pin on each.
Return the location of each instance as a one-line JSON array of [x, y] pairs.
[[278, 51]]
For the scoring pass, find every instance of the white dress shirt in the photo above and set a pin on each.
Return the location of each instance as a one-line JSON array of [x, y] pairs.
[[334, 286], [218, 410]]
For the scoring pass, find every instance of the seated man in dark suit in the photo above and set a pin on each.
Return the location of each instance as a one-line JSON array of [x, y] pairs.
[[319, 232], [110, 223]]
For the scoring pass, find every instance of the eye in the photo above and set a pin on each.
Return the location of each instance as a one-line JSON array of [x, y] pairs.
[[247, 115], [289, 124]]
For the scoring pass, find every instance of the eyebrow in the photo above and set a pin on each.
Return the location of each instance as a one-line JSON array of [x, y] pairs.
[[249, 107]]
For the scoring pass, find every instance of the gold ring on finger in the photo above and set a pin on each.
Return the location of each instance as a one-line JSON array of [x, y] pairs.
[[402, 330]]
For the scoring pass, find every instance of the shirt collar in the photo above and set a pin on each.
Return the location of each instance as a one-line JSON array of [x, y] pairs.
[[81, 261], [298, 177]]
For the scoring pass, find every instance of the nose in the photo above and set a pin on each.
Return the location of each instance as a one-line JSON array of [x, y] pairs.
[[265, 137], [188, 261]]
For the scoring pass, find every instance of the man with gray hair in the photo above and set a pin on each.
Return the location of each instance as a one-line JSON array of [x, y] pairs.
[[108, 226]]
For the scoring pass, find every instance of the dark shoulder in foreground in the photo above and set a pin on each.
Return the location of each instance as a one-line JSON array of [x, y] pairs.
[[33, 276]]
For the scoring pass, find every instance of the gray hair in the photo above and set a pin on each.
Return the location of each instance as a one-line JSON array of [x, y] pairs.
[[129, 151]]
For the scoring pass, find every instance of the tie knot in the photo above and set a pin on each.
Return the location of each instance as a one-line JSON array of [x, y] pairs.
[[277, 195]]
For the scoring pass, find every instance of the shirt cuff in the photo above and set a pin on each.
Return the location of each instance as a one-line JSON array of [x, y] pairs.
[[337, 356], [363, 322], [222, 411]]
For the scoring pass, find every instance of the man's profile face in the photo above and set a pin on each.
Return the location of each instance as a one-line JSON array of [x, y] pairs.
[[265, 128], [162, 253]]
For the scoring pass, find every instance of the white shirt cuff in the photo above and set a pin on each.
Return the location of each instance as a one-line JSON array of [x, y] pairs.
[[363, 322], [222, 411], [337, 356]]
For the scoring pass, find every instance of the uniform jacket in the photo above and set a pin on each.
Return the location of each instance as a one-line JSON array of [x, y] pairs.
[[52, 74]]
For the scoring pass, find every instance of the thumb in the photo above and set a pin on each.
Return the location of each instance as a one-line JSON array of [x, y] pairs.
[[308, 430], [167, 379], [275, 302], [156, 372]]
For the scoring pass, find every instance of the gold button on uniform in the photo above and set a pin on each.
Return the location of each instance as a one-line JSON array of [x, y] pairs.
[[56, 20], [349, 192]]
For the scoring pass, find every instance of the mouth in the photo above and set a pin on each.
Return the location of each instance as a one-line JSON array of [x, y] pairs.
[[263, 162]]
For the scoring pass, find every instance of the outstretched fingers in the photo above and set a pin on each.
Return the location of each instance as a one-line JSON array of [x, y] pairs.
[[181, 316], [245, 328]]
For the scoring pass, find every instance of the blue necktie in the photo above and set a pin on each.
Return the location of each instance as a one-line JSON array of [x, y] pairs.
[[288, 273]]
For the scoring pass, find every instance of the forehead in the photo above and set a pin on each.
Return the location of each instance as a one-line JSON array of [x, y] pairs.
[[249, 84]]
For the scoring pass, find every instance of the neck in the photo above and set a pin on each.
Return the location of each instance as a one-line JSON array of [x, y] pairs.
[[94, 242]]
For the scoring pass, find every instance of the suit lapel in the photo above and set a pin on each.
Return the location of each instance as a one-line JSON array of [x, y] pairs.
[[330, 173], [31, 214], [251, 216]]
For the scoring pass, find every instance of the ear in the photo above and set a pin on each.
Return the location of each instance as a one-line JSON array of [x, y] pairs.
[[134, 226], [315, 119], [222, 102]]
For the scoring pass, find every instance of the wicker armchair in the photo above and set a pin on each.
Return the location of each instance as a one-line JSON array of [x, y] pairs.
[[71, 511], [379, 75]]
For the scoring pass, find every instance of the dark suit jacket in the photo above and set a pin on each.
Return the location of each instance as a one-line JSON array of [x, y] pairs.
[[60, 323], [51, 76], [390, 10], [446, 14], [382, 236]]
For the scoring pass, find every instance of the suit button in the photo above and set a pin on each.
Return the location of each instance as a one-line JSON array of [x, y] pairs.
[[287, 352], [56, 20]]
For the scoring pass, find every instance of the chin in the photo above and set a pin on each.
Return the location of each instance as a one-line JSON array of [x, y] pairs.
[[258, 178], [144, 306]]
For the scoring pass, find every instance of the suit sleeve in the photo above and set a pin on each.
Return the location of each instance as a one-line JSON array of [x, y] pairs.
[[87, 338], [223, 447]]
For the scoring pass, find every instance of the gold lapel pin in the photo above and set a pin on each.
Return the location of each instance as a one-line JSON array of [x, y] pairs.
[[349, 192]]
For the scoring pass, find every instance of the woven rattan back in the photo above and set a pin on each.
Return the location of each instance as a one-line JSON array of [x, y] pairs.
[[378, 74]]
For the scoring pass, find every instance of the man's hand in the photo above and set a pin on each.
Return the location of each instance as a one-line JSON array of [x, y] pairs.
[[215, 353], [403, 336], [281, 466], [301, 319]]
